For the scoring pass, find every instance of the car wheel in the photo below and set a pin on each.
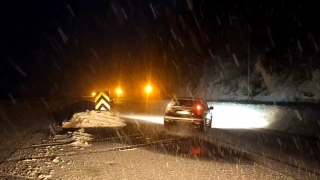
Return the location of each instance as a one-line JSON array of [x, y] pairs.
[[205, 125], [202, 126], [209, 122]]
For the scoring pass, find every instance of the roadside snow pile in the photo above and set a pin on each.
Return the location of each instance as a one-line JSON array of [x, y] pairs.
[[91, 119]]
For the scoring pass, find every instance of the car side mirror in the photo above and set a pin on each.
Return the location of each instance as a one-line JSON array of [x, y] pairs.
[[211, 108]]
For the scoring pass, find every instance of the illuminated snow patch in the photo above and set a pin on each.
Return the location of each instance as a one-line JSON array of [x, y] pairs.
[[143, 117], [237, 116]]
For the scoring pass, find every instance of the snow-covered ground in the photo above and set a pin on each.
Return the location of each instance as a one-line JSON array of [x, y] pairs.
[[82, 161], [18, 120], [68, 161], [26, 163]]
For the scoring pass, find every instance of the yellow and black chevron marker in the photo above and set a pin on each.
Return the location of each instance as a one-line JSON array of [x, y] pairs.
[[102, 101]]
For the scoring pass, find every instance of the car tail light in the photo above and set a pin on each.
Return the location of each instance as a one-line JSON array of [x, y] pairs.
[[198, 108], [196, 150]]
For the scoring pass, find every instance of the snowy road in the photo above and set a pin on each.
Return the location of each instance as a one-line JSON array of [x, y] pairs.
[[144, 150], [116, 155], [141, 150]]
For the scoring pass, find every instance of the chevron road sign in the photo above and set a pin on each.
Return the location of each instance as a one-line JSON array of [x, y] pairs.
[[102, 101]]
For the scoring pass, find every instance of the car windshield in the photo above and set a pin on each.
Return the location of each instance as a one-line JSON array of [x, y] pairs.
[[184, 102]]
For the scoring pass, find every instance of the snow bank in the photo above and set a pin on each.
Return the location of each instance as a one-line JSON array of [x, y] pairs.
[[91, 119]]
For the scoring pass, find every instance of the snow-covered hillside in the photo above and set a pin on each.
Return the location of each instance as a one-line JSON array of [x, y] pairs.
[[231, 85]]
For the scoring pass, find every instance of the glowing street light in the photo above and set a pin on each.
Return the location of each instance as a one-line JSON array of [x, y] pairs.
[[148, 89], [93, 94], [119, 91]]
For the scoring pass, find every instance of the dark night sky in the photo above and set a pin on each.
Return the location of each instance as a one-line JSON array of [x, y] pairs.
[[36, 60]]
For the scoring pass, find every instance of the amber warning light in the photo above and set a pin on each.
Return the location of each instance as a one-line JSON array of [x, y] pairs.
[[119, 91]]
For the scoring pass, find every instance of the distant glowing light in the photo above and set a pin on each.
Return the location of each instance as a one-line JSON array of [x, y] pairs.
[[94, 94], [119, 91], [148, 88]]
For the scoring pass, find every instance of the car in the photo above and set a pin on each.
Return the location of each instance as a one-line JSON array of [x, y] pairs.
[[190, 110]]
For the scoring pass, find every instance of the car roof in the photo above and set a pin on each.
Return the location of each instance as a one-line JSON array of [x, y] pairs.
[[188, 98]]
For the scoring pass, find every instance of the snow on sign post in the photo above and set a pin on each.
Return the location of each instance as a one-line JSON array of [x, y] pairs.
[[102, 101]]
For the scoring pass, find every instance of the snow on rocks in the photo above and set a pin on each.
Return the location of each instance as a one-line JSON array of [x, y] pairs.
[[91, 119], [311, 88], [81, 139], [77, 139]]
